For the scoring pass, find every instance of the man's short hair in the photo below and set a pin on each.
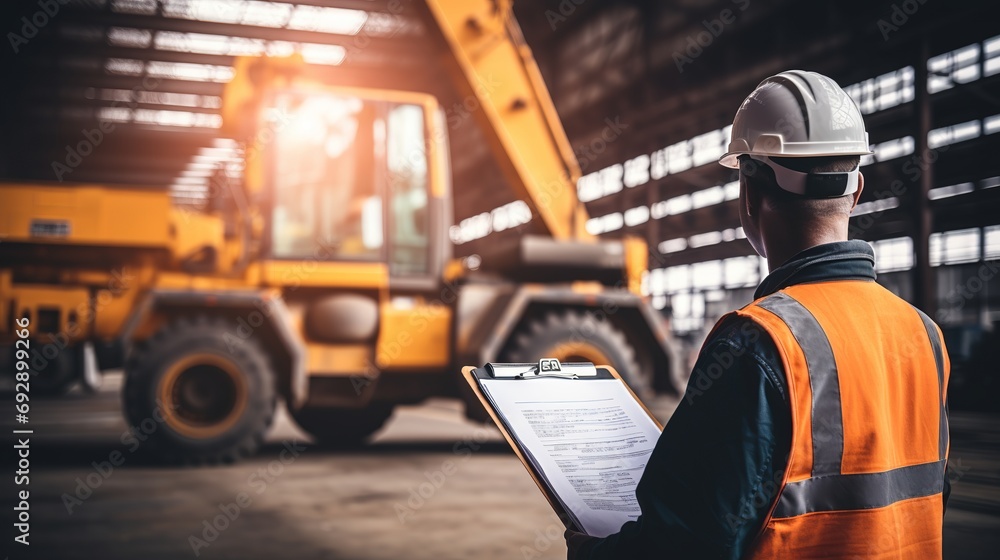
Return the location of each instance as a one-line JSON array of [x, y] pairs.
[[760, 178]]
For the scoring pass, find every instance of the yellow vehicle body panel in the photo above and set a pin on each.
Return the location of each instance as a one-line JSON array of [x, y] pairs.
[[112, 309], [85, 215], [194, 282], [338, 360], [72, 304], [322, 274], [413, 335], [194, 231]]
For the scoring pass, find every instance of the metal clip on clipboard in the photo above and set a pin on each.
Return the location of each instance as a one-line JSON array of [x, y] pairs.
[[546, 367]]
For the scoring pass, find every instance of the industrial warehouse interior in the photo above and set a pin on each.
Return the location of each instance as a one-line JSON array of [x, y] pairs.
[[273, 275]]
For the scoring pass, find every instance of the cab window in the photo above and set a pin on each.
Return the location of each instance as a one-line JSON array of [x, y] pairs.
[[325, 200], [406, 162], [335, 160]]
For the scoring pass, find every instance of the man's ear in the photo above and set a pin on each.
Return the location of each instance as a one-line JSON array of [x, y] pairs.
[[857, 193]]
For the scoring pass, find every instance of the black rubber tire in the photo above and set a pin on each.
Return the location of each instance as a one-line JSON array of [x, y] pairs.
[[341, 428], [540, 337], [150, 361]]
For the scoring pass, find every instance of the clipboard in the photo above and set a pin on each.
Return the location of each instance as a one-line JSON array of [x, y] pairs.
[[578, 372]]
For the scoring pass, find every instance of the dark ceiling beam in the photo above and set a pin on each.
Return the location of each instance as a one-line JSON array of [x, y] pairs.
[[665, 76], [113, 81], [548, 22], [96, 51]]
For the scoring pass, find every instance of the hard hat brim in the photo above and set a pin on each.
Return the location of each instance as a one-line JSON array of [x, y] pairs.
[[731, 159]]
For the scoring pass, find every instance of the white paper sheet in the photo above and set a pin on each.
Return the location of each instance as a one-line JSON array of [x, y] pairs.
[[590, 440]]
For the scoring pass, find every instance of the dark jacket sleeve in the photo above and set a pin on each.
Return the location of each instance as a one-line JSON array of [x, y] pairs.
[[717, 467]]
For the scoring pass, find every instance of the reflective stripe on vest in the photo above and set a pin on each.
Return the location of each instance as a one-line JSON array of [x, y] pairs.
[[839, 492], [827, 415], [932, 333], [827, 489]]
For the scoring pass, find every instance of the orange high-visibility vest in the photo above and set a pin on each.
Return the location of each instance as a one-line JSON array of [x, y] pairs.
[[867, 376]]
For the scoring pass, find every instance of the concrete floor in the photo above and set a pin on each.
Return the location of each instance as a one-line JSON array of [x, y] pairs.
[[476, 502]]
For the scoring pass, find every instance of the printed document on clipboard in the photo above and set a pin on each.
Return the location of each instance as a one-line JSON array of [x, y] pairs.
[[579, 430]]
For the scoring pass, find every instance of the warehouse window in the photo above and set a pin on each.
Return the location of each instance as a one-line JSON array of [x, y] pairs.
[[991, 56], [677, 278], [707, 238], [709, 147], [636, 216], [950, 191], [502, 218], [732, 190], [673, 245], [600, 183], [253, 12], [191, 187], [954, 247], [706, 274], [959, 66], [883, 92], [992, 242], [701, 240], [991, 124], [203, 43], [891, 149], [688, 311], [605, 223], [675, 158], [953, 134], [636, 171], [674, 206], [880, 205], [678, 157], [689, 287], [652, 281], [708, 197], [893, 254], [170, 70], [698, 199], [742, 272]]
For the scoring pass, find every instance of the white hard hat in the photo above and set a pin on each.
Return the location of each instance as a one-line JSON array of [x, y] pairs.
[[799, 114]]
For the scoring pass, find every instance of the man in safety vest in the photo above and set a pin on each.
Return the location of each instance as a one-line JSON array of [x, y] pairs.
[[814, 423]]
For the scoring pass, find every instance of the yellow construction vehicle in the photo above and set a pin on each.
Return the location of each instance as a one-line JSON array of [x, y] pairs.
[[324, 276]]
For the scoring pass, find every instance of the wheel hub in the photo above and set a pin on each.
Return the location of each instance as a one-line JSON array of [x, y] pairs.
[[202, 395]]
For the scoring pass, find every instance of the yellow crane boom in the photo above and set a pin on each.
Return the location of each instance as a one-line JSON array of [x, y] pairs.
[[495, 65]]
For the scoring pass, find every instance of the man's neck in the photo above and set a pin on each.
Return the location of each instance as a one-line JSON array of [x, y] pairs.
[[798, 242]]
